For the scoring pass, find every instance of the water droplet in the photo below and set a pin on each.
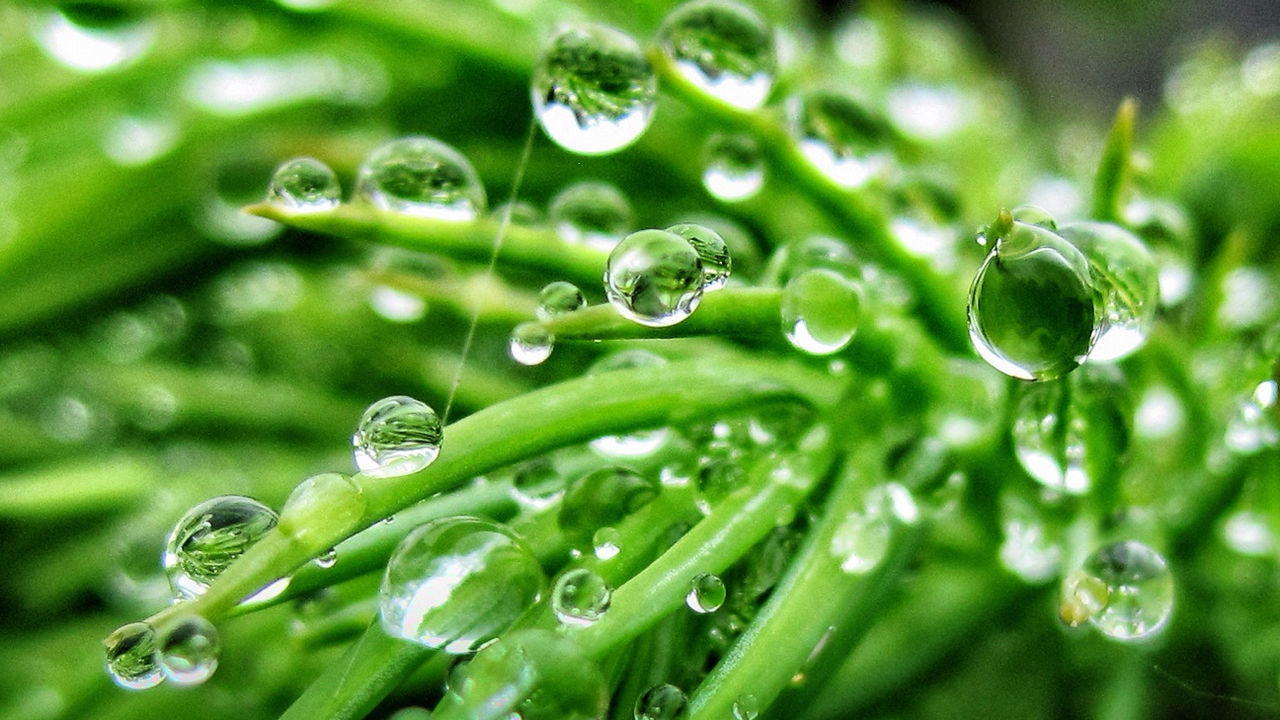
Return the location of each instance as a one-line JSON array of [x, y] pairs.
[[397, 435], [580, 597], [531, 674], [327, 559], [131, 657], [325, 503], [814, 251], [861, 541], [712, 251], [661, 702], [1139, 597], [706, 594], [746, 707], [606, 543], [421, 176], [136, 140], [189, 650], [536, 483], [1029, 549], [819, 311], [593, 90], [396, 305], [92, 37], [839, 137], [304, 185], [1166, 231], [1253, 426], [604, 497], [457, 583], [1249, 533], [734, 168], [558, 298], [723, 48], [715, 479], [210, 537], [635, 444], [1032, 310], [930, 113], [531, 343], [592, 213], [654, 277], [1127, 276]]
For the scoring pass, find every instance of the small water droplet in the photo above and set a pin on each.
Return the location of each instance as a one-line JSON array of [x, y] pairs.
[[1253, 426], [712, 251], [189, 651], [593, 90], [706, 594], [1249, 533], [131, 657], [654, 277], [457, 583], [531, 674], [606, 543], [604, 497], [661, 702], [93, 37], [820, 311], [734, 168], [746, 707], [723, 48], [397, 435], [395, 305], [536, 483], [843, 140], [304, 185], [1128, 278], [580, 597], [592, 213], [531, 343], [1139, 597], [558, 298], [210, 537], [861, 541], [137, 140], [421, 176], [715, 479], [328, 559]]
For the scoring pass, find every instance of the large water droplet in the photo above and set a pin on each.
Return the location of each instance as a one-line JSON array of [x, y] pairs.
[[93, 37], [397, 435], [210, 537], [457, 583], [734, 168], [580, 597], [304, 185], [1032, 312], [531, 343], [189, 650], [421, 176], [1127, 276], [558, 298], [723, 48], [531, 674], [661, 702], [712, 251], [654, 278], [1139, 597], [819, 311], [604, 497], [593, 90], [706, 594], [592, 213], [635, 444], [131, 657], [839, 137]]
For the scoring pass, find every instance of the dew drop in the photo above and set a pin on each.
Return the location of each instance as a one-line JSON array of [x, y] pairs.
[[861, 541], [1032, 310], [592, 213], [131, 657], [93, 37], [654, 278], [1034, 215], [706, 594], [1128, 278], [712, 251], [580, 597], [1249, 533], [746, 707], [606, 543], [1253, 426], [1139, 597], [210, 537], [604, 497], [536, 483], [325, 503], [715, 479], [734, 168], [421, 176], [558, 298], [531, 674], [531, 343], [839, 137], [395, 305], [812, 252], [593, 90], [189, 650], [327, 559], [1166, 231], [304, 185], [137, 140], [457, 583], [1029, 549], [661, 702], [397, 435], [723, 48], [636, 444], [819, 311]]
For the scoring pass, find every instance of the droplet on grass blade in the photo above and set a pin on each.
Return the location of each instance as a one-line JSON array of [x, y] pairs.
[[210, 537], [397, 435], [421, 176], [723, 48], [304, 185]]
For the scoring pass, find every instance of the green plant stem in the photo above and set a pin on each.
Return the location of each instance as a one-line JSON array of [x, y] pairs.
[[1111, 181], [78, 487], [740, 312]]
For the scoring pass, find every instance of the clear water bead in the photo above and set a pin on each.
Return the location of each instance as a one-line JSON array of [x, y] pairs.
[[558, 298], [1032, 312], [661, 702], [1139, 590], [593, 90], [604, 497], [706, 594], [210, 537], [530, 674], [746, 707], [839, 137], [734, 168], [131, 657], [397, 435], [457, 583], [592, 213], [421, 176], [336, 497], [531, 343], [93, 37], [819, 311], [712, 251], [304, 185], [189, 650], [1128, 278], [580, 597], [724, 48], [1255, 425], [861, 541], [654, 278]]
